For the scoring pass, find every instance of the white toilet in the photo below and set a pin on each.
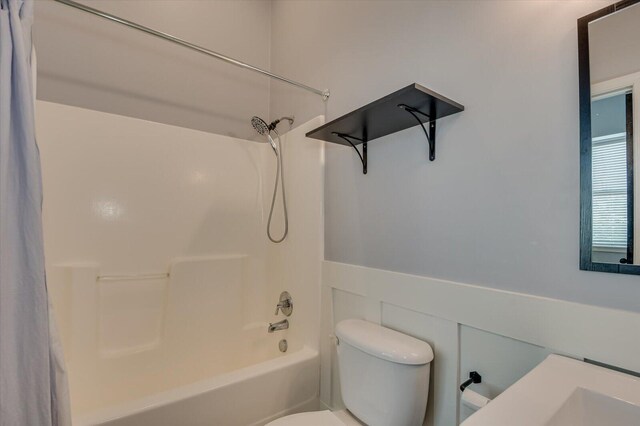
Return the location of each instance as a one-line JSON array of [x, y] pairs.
[[384, 379]]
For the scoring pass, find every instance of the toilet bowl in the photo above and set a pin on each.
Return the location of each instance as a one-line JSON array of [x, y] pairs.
[[384, 379]]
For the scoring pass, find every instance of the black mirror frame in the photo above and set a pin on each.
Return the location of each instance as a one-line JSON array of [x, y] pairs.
[[585, 145]]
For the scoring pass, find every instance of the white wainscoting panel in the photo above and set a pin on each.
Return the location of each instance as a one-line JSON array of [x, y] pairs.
[[500, 360], [499, 333]]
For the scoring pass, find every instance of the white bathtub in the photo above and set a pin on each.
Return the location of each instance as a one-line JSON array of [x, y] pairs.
[[252, 395]]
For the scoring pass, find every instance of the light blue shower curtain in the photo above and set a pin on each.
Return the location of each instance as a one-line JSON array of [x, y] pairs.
[[32, 382]]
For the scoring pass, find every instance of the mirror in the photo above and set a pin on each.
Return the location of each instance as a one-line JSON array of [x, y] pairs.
[[609, 68]]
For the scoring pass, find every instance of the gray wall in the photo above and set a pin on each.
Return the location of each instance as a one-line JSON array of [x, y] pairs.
[[500, 205], [86, 61]]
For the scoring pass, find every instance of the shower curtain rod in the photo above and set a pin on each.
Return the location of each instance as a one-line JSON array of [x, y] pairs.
[[324, 93]]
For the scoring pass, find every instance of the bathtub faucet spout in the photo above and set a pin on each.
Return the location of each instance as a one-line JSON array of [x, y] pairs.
[[276, 326]]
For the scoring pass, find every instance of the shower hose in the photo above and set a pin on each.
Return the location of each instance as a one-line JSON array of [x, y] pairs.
[[279, 180]]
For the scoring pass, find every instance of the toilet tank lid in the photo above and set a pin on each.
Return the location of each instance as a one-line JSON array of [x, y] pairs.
[[383, 342]]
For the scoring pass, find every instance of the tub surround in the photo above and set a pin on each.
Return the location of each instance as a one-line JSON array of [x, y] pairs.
[[173, 222]]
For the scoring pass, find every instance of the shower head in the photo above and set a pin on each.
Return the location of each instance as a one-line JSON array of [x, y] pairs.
[[260, 125], [263, 129]]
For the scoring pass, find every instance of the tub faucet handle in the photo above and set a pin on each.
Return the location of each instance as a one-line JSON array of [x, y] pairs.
[[282, 306], [285, 304]]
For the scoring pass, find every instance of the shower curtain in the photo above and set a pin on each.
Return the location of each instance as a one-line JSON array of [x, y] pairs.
[[33, 389]]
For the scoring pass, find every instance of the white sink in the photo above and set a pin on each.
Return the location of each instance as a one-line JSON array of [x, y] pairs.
[[562, 391], [588, 408]]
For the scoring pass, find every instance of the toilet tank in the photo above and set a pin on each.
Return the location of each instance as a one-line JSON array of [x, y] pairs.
[[384, 374]]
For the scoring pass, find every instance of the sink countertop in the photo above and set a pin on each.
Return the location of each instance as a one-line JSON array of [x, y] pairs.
[[537, 397]]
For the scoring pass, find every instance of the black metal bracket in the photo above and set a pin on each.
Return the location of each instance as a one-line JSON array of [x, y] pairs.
[[363, 156], [431, 134], [474, 377]]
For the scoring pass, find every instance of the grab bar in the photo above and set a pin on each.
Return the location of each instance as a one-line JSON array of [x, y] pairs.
[[132, 277]]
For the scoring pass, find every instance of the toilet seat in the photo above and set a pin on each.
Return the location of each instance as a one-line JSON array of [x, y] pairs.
[[317, 418]]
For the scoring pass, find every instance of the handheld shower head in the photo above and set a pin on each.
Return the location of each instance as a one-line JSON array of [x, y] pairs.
[[260, 125], [263, 129]]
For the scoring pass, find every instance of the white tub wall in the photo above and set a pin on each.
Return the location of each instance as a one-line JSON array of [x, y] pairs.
[[127, 196], [132, 195], [130, 315]]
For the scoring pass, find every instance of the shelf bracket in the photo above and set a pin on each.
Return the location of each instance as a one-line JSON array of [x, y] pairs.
[[431, 134], [363, 156]]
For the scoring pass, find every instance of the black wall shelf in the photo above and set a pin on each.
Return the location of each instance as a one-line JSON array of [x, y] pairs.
[[400, 110]]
